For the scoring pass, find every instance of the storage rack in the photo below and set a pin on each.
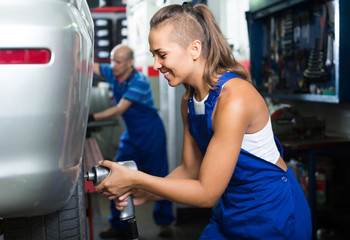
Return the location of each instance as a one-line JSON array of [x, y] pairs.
[[110, 27], [285, 36]]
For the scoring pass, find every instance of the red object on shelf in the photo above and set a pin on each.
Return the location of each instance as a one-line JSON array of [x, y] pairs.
[[150, 71], [110, 9], [102, 60], [245, 64]]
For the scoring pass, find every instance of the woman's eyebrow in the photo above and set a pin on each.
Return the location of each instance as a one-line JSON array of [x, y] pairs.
[[156, 51]]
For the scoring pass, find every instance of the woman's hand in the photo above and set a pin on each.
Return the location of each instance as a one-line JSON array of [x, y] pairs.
[[139, 197], [122, 202], [118, 182]]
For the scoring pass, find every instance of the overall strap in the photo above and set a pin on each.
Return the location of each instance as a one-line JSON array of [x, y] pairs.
[[190, 106], [214, 93]]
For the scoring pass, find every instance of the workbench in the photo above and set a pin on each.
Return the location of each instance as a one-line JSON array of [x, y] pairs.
[[309, 149]]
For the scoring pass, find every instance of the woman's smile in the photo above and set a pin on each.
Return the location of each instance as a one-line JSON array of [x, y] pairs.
[[166, 75]]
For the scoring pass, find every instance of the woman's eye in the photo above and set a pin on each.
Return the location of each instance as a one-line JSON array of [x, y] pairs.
[[162, 56]]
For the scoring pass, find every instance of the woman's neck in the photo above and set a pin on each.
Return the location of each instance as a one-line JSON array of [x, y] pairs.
[[201, 89], [201, 92]]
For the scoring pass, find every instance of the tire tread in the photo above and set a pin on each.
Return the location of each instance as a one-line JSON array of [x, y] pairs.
[[67, 223]]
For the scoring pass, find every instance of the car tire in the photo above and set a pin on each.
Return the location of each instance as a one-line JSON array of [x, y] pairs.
[[70, 222], [1, 231]]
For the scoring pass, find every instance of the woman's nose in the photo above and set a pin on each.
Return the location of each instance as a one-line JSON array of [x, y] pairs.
[[156, 65]]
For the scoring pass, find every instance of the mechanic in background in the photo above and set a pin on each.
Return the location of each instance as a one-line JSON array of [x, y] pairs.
[[144, 139]]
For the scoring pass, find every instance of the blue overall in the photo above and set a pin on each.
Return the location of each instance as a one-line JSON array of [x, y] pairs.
[[261, 201], [143, 141]]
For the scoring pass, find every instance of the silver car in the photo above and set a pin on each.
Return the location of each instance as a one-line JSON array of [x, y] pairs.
[[46, 59]]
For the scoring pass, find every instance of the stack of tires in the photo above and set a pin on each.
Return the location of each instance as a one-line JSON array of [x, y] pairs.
[[103, 37]]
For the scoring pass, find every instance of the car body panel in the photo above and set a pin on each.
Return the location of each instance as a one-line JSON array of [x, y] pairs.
[[43, 107]]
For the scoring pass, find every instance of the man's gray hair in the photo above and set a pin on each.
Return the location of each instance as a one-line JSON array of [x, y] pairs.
[[130, 52]]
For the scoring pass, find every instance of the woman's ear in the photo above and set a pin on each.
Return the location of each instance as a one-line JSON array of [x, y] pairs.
[[196, 49]]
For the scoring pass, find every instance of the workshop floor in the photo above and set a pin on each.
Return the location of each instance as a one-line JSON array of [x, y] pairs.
[[188, 227]]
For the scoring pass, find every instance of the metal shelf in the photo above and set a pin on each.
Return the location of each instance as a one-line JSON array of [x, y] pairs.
[[110, 9], [303, 97], [265, 12]]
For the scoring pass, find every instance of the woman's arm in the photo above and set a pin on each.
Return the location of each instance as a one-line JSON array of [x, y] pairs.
[[188, 169], [191, 155], [194, 182]]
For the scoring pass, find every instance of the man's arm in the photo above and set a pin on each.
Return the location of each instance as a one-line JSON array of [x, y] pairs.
[[97, 69], [117, 110]]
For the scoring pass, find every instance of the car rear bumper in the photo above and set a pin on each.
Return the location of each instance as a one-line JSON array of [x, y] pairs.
[[37, 191]]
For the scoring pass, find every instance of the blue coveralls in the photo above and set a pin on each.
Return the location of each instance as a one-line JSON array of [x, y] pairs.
[[143, 141], [261, 201]]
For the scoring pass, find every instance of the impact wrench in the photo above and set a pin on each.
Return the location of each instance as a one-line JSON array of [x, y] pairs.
[[97, 174]]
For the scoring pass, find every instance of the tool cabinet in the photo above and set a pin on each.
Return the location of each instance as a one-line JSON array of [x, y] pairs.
[[298, 49]]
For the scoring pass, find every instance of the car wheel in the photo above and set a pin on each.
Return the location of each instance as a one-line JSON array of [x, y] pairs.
[[70, 222]]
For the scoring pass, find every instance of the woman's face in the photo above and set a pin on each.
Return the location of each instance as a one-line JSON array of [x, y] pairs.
[[171, 59]]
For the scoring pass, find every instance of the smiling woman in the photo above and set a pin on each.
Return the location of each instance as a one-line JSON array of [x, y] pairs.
[[184, 29], [170, 58], [231, 160]]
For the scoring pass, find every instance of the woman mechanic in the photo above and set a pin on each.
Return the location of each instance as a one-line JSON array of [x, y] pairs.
[[231, 160]]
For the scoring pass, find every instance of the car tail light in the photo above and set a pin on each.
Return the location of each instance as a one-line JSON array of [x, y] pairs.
[[25, 56]]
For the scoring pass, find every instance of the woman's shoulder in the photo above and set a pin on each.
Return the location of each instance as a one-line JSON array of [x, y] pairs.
[[240, 98], [240, 95], [238, 88]]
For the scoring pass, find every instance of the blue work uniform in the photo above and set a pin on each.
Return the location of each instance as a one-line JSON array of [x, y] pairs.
[[261, 201], [144, 139]]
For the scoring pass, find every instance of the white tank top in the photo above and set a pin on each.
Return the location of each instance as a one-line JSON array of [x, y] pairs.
[[261, 144]]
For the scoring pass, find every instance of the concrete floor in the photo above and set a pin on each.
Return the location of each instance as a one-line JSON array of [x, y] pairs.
[[188, 226]]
